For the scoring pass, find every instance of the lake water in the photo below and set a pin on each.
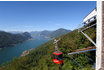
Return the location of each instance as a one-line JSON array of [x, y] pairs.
[[9, 53]]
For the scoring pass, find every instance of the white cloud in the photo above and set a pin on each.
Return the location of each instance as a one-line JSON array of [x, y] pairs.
[[28, 26], [58, 24]]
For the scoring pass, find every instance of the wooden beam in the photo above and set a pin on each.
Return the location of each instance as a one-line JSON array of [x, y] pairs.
[[88, 49]]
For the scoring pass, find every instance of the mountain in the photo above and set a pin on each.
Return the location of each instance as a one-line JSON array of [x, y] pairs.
[[15, 32], [51, 34], [41, 58], [35, 33], [8, 39], [59, 32], [45, 33], [40, 33], [27, 35]]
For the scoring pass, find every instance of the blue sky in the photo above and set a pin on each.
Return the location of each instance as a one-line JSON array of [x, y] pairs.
[[47, 15]]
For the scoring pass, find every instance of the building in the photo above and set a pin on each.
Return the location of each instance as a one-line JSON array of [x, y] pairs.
[[90, 18]]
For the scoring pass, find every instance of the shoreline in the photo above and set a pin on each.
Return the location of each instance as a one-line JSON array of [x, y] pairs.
[[12, 45], [26, 52], [1, 48]]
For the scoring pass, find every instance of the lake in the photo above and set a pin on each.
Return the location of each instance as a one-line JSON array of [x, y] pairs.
[[9, 53]]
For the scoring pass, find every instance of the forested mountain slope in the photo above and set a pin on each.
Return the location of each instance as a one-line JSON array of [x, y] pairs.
[[8, 39], [41, 57]]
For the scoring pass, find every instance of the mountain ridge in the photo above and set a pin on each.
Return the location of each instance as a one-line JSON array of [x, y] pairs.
[[9, 39], [51, 34]]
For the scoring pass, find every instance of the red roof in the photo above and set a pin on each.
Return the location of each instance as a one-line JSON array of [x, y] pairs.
[[55, 53]]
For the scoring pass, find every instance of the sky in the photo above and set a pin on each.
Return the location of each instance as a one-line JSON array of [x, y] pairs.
[[43, 15]]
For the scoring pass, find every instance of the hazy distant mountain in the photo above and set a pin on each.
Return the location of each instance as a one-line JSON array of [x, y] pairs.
[[35, 33], [51, 34], [40, 33], [9, 39], [46, 33], [15, 32]]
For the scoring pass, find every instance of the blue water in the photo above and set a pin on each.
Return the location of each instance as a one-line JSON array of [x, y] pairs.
[[7, 54]]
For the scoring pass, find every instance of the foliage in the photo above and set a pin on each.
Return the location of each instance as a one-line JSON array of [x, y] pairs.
[[41, 58]]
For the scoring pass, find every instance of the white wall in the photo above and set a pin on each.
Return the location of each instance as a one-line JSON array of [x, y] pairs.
[[99, 35]]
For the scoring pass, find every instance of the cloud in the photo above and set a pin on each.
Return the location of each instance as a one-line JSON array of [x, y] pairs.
[[58, 24], [28, 26]]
